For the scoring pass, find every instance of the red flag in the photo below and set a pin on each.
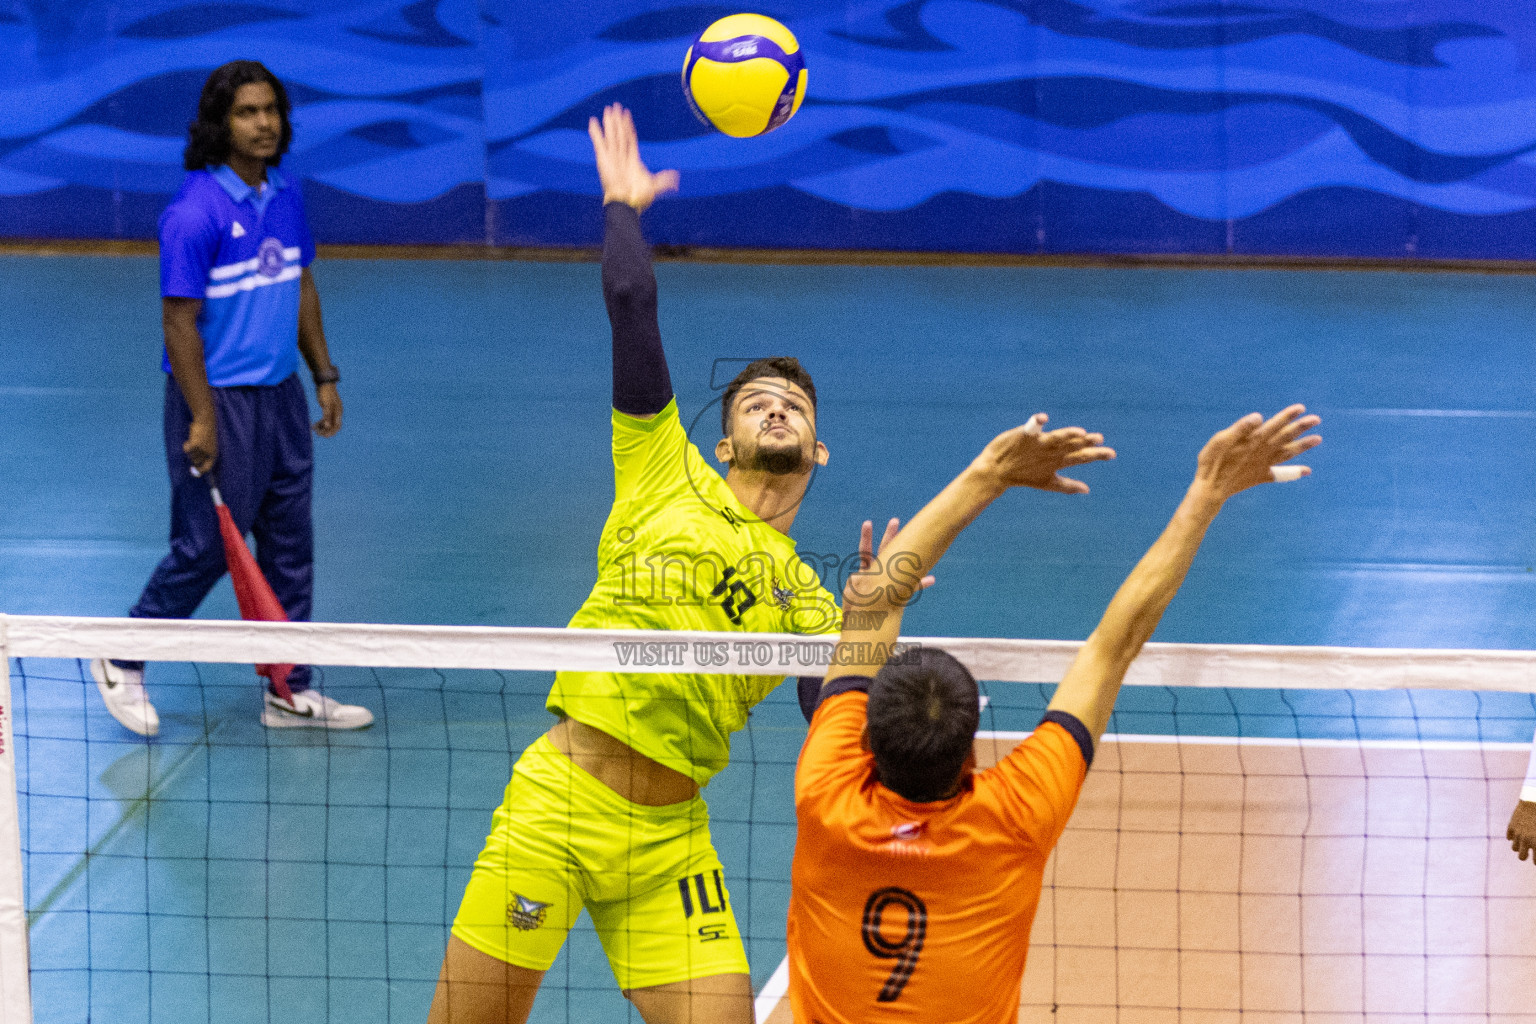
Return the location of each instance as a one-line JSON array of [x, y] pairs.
[[257, 601]]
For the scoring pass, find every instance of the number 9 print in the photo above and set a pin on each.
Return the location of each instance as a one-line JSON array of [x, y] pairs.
[[904, 952]]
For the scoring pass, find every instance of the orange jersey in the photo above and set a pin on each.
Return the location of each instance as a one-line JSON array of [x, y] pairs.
[[903, 911]]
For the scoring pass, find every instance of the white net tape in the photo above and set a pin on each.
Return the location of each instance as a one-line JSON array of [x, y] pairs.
[[525, 649]]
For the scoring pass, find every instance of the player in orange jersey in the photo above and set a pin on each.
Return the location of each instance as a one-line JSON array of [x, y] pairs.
[[915, 876]]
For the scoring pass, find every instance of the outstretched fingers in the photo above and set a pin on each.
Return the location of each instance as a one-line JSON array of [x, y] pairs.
[[1244, 427], [1300, 445], [1295, 428], [1092, 453], [1026, 456], [611, 130], [866, 545], [851, 590], [1066, 485], [1282, 435], [1252, 450], [1280, 420], [1069, 445], [867, 550], [1065, 433], [1070, 437], [616, 120], [1077, 447], [624, 176], [870, 561], [600, 149], [606, 143]]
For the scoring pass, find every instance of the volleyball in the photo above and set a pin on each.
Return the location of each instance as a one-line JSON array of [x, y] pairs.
[[744, 75]]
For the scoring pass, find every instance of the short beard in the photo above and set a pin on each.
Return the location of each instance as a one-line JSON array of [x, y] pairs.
[[777, 461]]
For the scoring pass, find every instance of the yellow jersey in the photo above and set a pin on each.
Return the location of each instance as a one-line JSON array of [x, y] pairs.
[[679, 552]]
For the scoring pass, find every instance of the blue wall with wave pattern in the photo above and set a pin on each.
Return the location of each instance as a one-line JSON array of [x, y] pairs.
[[1322, 127]]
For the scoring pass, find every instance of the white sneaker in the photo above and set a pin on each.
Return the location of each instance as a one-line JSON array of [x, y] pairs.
[[311, 710], [122, 690]]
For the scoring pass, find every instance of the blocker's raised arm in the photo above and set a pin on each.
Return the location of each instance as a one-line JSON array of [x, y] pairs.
[[1242, 456], [1021, 457]]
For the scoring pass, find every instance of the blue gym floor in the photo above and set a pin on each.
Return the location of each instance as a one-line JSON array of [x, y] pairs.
[[309, 877]]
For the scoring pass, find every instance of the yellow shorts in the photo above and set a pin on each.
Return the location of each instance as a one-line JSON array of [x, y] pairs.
[[649, 876]]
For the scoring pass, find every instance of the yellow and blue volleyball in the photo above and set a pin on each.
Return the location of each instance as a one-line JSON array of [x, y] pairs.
[[744, 75]]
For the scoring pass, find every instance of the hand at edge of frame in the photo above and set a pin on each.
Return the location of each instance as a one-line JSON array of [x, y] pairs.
[[1522, 830]]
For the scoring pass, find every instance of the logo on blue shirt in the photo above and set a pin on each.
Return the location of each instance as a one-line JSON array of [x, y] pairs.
[[269, 258]]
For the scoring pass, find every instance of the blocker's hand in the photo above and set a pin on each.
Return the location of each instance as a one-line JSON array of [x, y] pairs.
[[870, 564], [1248, 453], [624, 175], [1027, 457], [1522, 830]]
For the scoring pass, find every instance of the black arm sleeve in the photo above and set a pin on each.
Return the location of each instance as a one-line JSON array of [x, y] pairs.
[[641, 384], [815, 690], [809, 688], [1077, 729]]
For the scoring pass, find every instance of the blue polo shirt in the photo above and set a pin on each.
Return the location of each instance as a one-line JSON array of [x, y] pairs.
[[242, 252]]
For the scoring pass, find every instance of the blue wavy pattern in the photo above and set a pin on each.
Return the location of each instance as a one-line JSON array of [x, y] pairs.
[[1365, 128]]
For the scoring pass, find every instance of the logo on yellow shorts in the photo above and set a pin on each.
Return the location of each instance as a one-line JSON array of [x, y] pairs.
[[526, 915]]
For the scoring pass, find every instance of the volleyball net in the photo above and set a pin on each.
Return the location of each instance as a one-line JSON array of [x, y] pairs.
[[1277, 831]]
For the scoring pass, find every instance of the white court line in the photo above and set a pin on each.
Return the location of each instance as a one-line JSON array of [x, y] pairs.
[[1272, 741], [775, 990], [1454, 414]]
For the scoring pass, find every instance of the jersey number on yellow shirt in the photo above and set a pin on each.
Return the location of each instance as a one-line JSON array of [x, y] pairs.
[[735, 596]]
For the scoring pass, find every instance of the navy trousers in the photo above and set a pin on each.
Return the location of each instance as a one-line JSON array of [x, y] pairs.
[[264, 470]]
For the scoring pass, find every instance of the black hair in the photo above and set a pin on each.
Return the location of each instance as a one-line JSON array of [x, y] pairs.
[[787, 367], [208, 136], [924, 708]]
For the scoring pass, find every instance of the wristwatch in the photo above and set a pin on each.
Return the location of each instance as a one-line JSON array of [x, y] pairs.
[[327, 376]]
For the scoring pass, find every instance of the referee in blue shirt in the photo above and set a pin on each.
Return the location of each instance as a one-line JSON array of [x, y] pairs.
[[239, 307]]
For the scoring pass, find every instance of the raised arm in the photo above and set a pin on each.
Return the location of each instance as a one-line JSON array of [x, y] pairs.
[[874, 600], [642, 386], [1239, 457]]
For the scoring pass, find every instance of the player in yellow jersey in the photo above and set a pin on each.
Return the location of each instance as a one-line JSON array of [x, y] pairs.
[[604, 811]]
